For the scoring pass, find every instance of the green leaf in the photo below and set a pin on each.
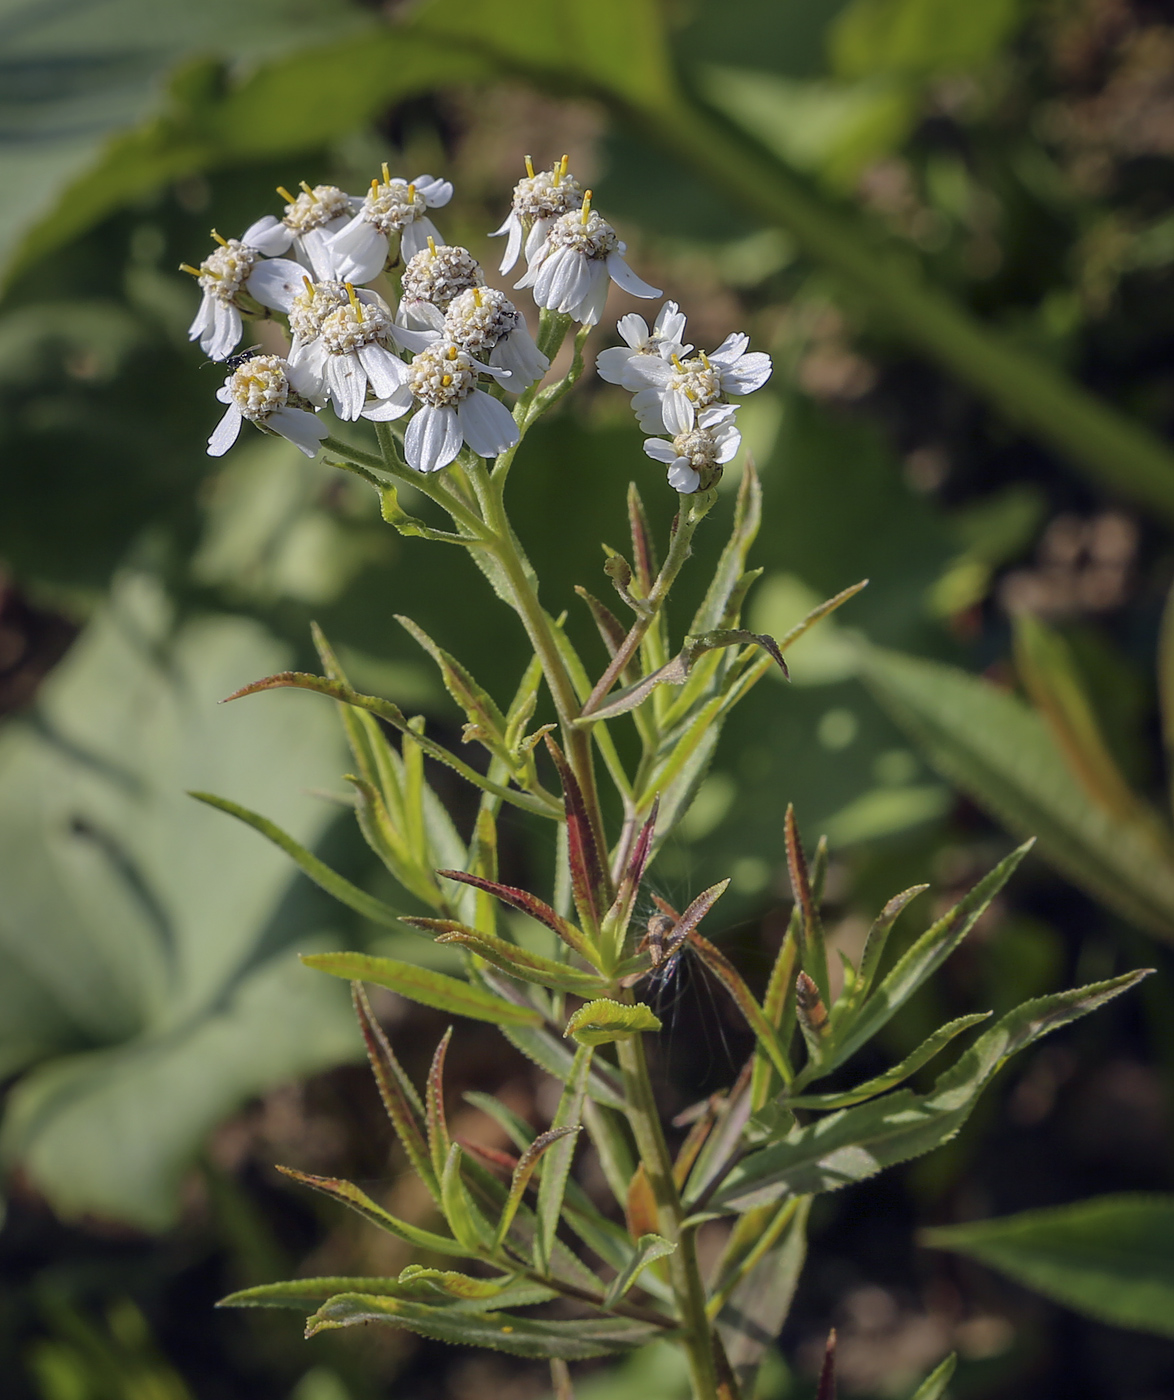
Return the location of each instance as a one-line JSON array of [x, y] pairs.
[[1111, 1257], [350, 1195], [856, 1143], [527, 1164], [413, 1282], [576, 1340], [557, 1166], [479, 706], [511, 958], [425, 986], [464, 1220], [874, 945], [322, 875], [1000, 752], [891, 1077], [919, 38], [649, 1248], [395, 1089], [934, 1385], [920, 961], [439, 1142], [601, 1022], [730, 978]]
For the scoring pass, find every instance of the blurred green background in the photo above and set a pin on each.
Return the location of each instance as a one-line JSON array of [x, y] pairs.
[[951, 224]]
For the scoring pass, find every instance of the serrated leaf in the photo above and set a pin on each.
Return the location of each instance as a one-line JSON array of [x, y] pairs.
[[576, 1340], [305, 1293], [714, 610], [643, 549], [557, 1165], [1111, 1257], [874, 944], [649, 1248], [527, 903], [934, 1385], [856, 1143], [730, 978], [920, 961], [513, 959], [602, 1022], [425, 986], [358, 1200], [589, 885], [479, 706], [395, 1089], [439, 1142], [725, 1140], [322, 875], [464, 1220], [527, 1164], [610, 628]]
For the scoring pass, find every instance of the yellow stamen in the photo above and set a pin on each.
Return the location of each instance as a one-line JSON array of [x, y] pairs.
[[704, 359], [453, 352], [431, 246], [691, 395], [285, 194], [188, 268], [586, 207], [562, 168], [386, 174], [411, 192], [222, 241], [350, 291], [529, 167], [309, 286], [678, 364], [477, 296], [446, 380], [308, 190], [374, 185]]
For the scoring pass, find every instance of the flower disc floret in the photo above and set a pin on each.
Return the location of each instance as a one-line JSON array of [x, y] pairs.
[[478, 318], [442, 375], [593, 237], [312, 305], [261, 392], [571, 271], [439, 275], [316, 208], [695, 457], [259, 387], [537, 201], [353, 325], [697, 380], [226, 270]]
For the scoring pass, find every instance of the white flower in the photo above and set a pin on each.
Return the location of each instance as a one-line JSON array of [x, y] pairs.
[[355, 346], [395, 206], [695, 458], [238, 266], [671, 392], [537, 201], [571, 271], [260, 391], [432, 278], [665, 339], [309, 221], [483, 320], [452, 412]]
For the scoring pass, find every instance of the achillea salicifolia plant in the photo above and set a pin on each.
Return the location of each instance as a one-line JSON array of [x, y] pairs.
[[452, 380]]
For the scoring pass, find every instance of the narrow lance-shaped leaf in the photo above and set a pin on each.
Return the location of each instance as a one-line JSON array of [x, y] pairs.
[[897, 1075], [530, 904], [874, 946], [576, 1339], [307, 1293], [513, 959], [588, 880], [813, 954], [522, 1174], [390, 843], [337, 690], [919, 962], [557, 1165], [643, 549], [551, 1053], [322, 875], [620, 914], [395, 1089], [425, 986], [856, 1143], [725, 1141], [779, 989], [350, 1195], [439, 1142], [649, 1248], [826, 1388], [611, 629], [692, 916], [934, 1385], [479, 706], [730, 978], [713, 611], [464, 1220], [602, 1022]]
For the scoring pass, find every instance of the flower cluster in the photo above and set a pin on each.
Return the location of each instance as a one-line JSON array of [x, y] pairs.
[[450, 347]]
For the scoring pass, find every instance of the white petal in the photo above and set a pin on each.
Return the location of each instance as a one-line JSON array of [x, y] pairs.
[[224, 393], [683, 477], [731, 349], [353, 235], [205, 319], [434, 193], [648, 406], [225, 432], [670, 324], [729, 439], [512, 226], [303, 429], [433, 439], [660, 450], [678, 412], [486, 424], [269, 236], [536, 238], [590, 307], [226, 332], [750, 372], [395, 406], [385, 371], [275, 282], [624, 278], [634, 330], [419, 316], [316, 250], [611, 364], [415, 236], [716, 413], [643, 371], [518, 353], [348, 385]]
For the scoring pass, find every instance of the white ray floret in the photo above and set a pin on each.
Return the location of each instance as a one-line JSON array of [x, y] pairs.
[[665, 339], [260, 391], [571, 272], [670, 393], [453, 412], [310, 219], [431, 280], [695, 457], [238, 266], [538, 200], [395, 207], [484, 322]]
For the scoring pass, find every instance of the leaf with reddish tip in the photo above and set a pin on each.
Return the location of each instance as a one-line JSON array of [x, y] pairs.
[[395, 1089], [731, 979], [826, 1390], [620, 913], [523, 1171], [350, 1195], [557, 1166], [611, 629], [530, 904], [425, 986], [643, 550], [588, 882], [517, 961], [692, 916], [479, 706], [812, 952], [439, 1141]]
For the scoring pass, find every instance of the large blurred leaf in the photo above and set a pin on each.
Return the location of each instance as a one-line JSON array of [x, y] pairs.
[[1112, 1257], [148, 982], [76, 71], [1001, 753]]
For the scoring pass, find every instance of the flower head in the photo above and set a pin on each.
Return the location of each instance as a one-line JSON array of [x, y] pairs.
[[309, 221], [538, 200], [452, 410], [389, 208], [695, 457], [483, 321], [571, 271], [671, 392], [260, 390], [234, 268], [665, 339]]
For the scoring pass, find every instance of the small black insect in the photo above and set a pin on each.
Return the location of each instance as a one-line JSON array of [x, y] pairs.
[[241, 358]]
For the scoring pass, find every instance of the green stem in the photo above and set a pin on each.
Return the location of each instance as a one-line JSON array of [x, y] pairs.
[[684, 1271], [1112, 449]]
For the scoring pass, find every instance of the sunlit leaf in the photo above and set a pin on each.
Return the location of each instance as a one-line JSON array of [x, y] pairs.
[[425, 986], [649, 1248], [556, 1166], [602, 1022], [358, 1200]]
